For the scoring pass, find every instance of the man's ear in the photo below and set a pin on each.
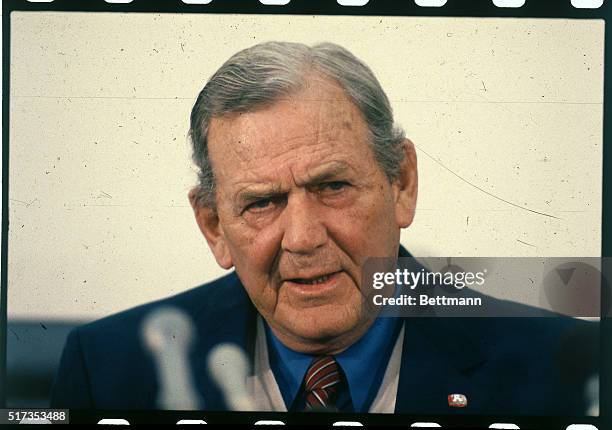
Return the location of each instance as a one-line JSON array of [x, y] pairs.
[[208, 221], [406, 187]]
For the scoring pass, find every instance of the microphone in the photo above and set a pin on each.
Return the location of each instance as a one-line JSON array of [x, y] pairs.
[[168, 333], [591, 395], [229, 368]]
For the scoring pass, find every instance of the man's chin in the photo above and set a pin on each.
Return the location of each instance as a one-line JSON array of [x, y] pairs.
[[325, 334]]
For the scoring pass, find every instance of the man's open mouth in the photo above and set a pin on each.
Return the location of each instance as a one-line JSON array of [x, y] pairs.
[[313, 280]]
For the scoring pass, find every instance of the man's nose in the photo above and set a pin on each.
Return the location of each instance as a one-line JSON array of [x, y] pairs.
[[304, 230]]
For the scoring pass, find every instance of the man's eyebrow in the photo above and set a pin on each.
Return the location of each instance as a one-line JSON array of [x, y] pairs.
[[257, 191], [326, 172]]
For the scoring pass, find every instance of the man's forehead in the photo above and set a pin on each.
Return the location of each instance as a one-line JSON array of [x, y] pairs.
[[288, 119], [295, 122]]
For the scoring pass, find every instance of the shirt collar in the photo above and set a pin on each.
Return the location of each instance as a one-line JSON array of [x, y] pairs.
[[363, 363]]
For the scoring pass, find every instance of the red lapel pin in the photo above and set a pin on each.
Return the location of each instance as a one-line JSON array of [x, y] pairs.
[[457, 401]]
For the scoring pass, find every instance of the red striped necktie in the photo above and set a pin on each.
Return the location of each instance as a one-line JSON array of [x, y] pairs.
[[321, 383]]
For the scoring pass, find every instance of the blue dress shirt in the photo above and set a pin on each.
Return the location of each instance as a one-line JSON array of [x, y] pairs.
[[363, 363]]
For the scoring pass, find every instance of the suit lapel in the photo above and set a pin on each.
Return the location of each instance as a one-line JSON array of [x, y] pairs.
[[437, 359]]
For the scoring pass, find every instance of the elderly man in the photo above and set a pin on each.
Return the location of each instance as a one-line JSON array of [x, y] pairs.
[[303, 175]]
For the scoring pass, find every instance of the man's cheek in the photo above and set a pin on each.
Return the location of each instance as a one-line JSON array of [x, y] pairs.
[[354, 228], [246, 246]]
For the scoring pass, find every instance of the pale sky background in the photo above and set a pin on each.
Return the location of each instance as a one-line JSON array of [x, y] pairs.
[[506, 115]]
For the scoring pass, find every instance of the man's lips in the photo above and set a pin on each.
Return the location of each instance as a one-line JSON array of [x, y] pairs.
[[312, 279], [318, 287]]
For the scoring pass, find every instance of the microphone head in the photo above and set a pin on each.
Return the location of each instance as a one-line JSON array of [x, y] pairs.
[[167, 325], [228, 357], [168, 334], [229, 367]]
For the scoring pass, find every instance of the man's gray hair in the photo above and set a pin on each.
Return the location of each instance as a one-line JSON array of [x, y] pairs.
[[258, 76]]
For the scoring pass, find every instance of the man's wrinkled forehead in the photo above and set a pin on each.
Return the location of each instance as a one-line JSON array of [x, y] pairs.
[[318, 118]]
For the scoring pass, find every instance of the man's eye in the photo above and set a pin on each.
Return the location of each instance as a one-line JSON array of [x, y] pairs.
[[334, 186], [258, 205]]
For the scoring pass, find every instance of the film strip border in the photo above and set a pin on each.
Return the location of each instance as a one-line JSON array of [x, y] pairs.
[[580, 4], [573, 9], [474, 8], [329, 420]]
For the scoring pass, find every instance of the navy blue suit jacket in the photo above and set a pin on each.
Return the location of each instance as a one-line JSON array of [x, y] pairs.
[[505, 366]]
